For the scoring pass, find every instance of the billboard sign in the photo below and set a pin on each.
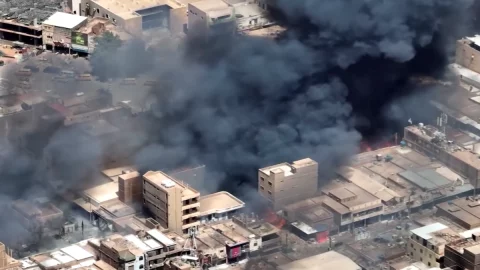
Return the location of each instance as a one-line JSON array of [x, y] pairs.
[[80, 42]]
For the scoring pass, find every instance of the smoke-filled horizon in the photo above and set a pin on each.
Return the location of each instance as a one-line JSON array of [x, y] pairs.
[[238, 103]]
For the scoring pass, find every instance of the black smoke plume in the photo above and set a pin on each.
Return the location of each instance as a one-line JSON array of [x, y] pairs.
[[237, 103]]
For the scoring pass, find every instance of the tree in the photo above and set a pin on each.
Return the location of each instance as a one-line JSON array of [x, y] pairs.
[[103, 58]]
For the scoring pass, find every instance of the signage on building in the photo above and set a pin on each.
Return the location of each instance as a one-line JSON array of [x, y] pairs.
[[80, 42]]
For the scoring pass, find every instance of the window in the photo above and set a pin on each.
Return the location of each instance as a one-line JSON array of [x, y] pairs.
[[263, 179], [106, 16], [114, 20], [140, 258], [262, 188], [141, 266], [411, 245], [411, 253], [429, 264], [269, 193], [255, 244], [270, 183]]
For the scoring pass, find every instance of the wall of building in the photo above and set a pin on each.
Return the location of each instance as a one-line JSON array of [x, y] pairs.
[[132, 25], [281, 190], [423, 146], [197, 20], [467, 56], [178, 20], [421, 253]]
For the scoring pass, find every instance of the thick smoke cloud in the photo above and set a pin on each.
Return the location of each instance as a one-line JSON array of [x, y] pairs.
[[239, 103]]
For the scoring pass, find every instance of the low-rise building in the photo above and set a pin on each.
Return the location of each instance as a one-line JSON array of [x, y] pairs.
[[287, 183], [58, 30], [38, 213], [351, 205], [463, 211], [463, 254], [427, 244], [264, 237], [218, 206], [138, 16], [210, 16]]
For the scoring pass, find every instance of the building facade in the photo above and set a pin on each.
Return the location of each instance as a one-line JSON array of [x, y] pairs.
[[468, 53], [173, 204], [430, 141], [58, 29], [210, 16], [427, 244], [286, 183]]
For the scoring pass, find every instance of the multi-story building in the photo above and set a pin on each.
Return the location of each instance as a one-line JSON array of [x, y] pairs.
[[58, 29], [463, 254], [173, 204], [6, 261], [432, 142], [209, 16], [427, 244], [286, 183], [468, 53]]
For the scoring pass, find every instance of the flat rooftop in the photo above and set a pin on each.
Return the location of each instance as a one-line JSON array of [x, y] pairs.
[[161, 179], [210, 5], [325, 261], [361, 196], [466, 210], [219, 202], [127, 9], [230, 230], [102, 193], [65, 20], [437, 233], [288, 169]]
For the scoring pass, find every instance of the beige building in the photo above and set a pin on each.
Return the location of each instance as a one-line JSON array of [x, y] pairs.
[[468, 53], [57, 30], [427, 244], [286, 183], [207, 15], [6, 261], [137, 16], [430, 141], [173, 204]]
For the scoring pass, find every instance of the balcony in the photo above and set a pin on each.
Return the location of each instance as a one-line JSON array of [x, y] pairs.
[[190, 206], [187, 216], [189, 225]]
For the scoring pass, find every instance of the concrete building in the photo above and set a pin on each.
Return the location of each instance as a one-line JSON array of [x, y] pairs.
[[84, 38], [286, 183], [70, 257], [427, 244], [39, 213], [468, 53], [138, 16], [210, 16], [58, 30], [464, 211], [13, 30], [173, 204], [432, 142], [149, 250], [463, 254], [325, 261], [249, 15], [218, 206], [6, 260], [264, 237], [353, 206]]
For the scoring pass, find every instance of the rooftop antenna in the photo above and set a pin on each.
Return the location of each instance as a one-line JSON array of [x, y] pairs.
[[192, 232]]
